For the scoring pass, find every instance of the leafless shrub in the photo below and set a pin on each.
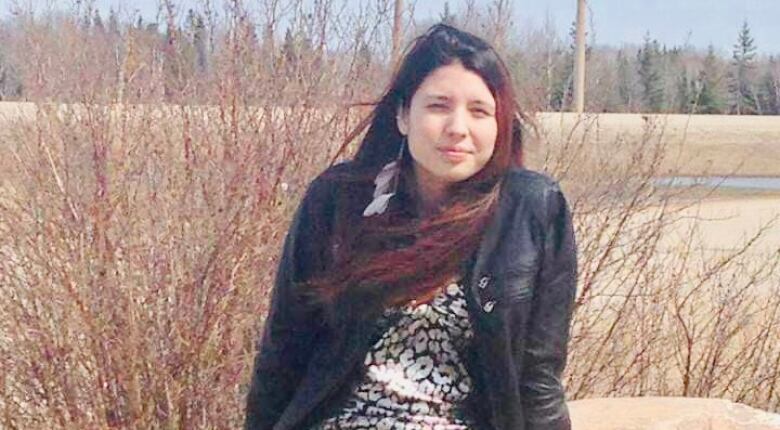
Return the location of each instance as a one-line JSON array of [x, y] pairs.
[[659, 313], [140, 226]]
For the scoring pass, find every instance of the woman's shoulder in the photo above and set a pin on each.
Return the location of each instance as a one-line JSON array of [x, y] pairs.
[[538, 192], [331, 182], [329, 179], [523, 182]]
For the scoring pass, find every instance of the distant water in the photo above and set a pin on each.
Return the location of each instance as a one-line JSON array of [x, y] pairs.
[[732, 182]]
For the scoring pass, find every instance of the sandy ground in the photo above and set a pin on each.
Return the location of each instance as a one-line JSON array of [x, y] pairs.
[[701, 144], [698, 130], [11, 110], [725, 222]]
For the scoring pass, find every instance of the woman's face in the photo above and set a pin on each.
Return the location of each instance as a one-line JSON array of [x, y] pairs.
[[450, 126]]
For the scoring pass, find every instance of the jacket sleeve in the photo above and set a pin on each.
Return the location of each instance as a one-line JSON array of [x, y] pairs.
[[548, 329], [291, 325]]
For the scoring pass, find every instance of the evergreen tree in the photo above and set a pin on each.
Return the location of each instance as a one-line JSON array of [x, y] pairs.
[[743, 100], [297, 50], [683, 96], [289, 54], [769, 90], [197, 29], [10, 82], [113, 22], [179, 59], [97, 22], [85, 17], [625, 87], [709, 98], [650, 78], [563, 88]]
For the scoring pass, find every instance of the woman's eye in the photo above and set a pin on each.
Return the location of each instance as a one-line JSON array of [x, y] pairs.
[[481, 112], [437, 106]]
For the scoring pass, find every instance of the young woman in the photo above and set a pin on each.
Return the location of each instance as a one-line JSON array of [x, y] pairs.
[[427, 283]]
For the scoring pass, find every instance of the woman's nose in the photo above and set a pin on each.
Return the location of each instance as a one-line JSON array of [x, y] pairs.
[[457, 123]]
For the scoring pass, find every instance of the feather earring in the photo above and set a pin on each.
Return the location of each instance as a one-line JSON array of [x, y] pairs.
[[386, 185]]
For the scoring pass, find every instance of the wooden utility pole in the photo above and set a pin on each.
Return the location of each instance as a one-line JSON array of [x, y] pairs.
[[579, 64], [397, 29]]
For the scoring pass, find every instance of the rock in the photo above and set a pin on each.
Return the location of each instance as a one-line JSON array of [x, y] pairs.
[[668, 413]]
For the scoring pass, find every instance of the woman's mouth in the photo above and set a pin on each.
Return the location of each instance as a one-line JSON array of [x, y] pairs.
[[454, 155]]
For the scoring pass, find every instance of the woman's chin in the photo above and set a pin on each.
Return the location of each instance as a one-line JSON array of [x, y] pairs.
[[457, 173]]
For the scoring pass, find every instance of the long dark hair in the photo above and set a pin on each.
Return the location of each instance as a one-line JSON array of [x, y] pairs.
[[399, 256]]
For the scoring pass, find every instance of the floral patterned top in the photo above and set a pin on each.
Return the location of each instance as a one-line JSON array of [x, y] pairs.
[[414, 376]]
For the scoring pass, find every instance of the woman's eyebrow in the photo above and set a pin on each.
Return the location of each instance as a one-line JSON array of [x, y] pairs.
[[437, 97], [442, 97], [482, 102]]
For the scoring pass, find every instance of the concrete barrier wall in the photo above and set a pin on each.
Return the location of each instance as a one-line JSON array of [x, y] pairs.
[[668, 413]]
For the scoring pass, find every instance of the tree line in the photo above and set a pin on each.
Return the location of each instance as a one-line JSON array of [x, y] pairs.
[[651, 77]]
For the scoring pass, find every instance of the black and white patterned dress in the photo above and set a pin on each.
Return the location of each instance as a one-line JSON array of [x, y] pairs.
[[414, 376]]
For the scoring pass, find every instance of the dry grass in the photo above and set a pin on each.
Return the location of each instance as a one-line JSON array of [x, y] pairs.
[[725, 222], [696, 144]]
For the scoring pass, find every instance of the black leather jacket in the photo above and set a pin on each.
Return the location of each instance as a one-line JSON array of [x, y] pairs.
[[520, 290]]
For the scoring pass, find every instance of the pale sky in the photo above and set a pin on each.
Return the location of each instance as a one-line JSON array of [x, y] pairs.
[[673, 22]]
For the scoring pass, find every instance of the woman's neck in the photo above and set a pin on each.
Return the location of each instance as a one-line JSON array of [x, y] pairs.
[[431, 192]]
